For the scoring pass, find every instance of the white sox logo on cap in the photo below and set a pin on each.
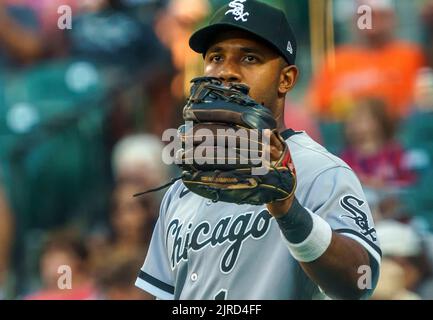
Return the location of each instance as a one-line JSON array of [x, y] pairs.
[[238, 10]]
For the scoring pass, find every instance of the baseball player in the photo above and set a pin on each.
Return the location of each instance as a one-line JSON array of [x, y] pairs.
[[319, 242]]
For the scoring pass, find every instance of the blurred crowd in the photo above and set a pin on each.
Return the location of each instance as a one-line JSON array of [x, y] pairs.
[[82, 111]]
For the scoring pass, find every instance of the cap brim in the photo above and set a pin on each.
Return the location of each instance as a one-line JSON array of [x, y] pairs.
[[202, 38]]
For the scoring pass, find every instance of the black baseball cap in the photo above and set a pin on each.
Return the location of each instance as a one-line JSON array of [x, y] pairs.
[[262, 20]]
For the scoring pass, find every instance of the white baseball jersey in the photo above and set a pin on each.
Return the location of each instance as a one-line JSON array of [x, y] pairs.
[[205, 250]]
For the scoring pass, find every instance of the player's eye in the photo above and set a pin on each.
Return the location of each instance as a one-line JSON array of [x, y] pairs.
[[250, 59], [215, 58]]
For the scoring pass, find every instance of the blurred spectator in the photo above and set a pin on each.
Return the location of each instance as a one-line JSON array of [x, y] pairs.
[[48, 14], [391, 284], [372, 151], [405, 271], [6, 241], [139, 157], [389, 204], [132, 219], [174, 27], [112, 35], [116, 278], [378, 65], [64, 249], [137, 165], [20, 40], [131, 224]]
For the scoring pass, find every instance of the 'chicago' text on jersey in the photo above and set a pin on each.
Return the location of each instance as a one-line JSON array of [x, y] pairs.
[[234, 230]]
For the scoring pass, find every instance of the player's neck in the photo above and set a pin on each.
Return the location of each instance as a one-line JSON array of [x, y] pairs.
[[280, 124]]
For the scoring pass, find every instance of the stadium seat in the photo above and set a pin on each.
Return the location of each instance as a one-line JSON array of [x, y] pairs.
[[417, 130], [49, 161]]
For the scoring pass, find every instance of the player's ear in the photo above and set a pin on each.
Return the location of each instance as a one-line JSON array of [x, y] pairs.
[[288, 77]]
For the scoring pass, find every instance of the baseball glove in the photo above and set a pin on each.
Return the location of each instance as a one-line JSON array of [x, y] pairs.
[[225, 156]]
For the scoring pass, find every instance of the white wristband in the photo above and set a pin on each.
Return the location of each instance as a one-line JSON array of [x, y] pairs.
[[316, 243]]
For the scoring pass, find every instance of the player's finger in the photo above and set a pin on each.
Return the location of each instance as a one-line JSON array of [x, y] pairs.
[[276, 142], [273, 145]]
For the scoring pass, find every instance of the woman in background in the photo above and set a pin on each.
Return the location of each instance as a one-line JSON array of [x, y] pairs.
[[372, 150]]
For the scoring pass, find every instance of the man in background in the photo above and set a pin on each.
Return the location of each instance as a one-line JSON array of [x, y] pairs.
[[378, 65]]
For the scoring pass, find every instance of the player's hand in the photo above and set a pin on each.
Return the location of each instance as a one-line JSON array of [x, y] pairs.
[[278, 208]]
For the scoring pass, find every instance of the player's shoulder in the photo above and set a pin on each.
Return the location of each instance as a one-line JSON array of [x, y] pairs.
[[309, 157], [171, 196]]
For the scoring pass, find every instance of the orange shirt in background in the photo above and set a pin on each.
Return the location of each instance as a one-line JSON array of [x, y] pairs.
[[387, 73]]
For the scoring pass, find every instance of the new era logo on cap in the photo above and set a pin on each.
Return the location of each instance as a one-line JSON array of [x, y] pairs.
[[289, 47], [238, 10]]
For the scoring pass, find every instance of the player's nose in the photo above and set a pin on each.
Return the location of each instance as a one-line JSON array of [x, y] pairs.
[[228, 73]]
